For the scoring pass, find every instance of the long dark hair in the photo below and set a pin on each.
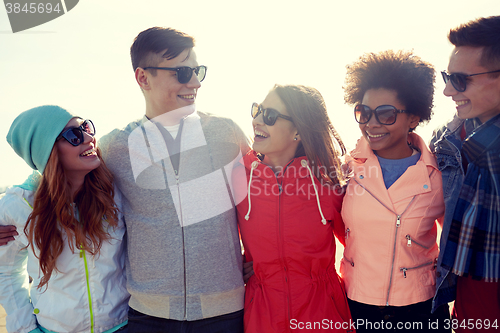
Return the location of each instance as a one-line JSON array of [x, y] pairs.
[[320, 142]]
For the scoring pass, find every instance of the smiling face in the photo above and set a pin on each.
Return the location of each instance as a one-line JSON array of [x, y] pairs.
[[481, 97], [388, 141], [275, 142], [163, 92], [80, 160]]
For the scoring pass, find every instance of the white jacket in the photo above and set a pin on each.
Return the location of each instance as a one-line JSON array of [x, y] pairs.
[[86, 294]]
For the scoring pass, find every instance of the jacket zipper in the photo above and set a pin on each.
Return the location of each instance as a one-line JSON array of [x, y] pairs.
[[398, 224], [82, 255], [281, 242], [183, 245], [410, 240], [285, 268], [404, 269], [89, 294], [350, 261]]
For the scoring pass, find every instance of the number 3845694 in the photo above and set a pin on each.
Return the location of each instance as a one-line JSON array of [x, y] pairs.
[[32, 8], [471, 324]]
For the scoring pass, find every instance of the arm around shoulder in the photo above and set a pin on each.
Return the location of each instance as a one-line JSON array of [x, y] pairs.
[[106, 141], [7, 233]]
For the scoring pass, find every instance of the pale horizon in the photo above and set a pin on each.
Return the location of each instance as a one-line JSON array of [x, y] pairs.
[[81, 60]]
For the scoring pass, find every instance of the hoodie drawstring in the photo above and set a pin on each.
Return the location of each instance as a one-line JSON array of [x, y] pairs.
[[255, 164], [306, 165]]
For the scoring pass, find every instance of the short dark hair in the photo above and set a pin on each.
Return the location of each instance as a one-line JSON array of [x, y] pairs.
[[149, 44], [403, 72], [482, 32], [319, 140]]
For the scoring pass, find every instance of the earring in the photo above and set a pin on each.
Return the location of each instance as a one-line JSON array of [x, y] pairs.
[[295, 139]]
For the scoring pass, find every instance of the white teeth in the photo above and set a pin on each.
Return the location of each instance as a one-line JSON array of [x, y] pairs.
[[375, 135], [187, 96], [87, 152], [259, 133], [460, 103]]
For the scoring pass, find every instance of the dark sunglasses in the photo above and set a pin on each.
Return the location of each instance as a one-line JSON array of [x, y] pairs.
[[459, 80], [185, 73], [74, 135], [385, 114], [268, 115]]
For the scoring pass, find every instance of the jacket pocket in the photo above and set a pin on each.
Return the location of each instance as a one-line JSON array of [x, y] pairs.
[[250, 292], [450, 169], [349, 261], [427, 277], [348, 274], [410, 241]]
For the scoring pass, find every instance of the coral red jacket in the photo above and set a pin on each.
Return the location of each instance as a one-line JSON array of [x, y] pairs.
[[295, 283], [391, 247]]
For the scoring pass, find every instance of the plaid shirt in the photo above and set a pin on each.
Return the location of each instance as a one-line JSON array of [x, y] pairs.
[[473, 245]]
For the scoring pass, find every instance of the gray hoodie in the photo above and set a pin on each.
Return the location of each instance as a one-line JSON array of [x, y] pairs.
[[184, 256]]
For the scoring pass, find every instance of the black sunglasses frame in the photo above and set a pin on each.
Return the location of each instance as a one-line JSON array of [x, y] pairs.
[[184, 78], [77, 133], [458, 79], [268, 115], [376, 113]]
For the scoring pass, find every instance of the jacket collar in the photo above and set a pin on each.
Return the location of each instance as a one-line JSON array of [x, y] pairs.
[[251, 157], [363, 151], [252, 162], [365, 170], [455, 125]]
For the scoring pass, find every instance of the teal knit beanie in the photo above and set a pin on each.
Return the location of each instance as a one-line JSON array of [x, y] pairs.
[[33, 133]]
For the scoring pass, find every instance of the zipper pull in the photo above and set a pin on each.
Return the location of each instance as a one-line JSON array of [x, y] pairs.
[[408, 237], [404, 271], [347, 233], [398, 221]]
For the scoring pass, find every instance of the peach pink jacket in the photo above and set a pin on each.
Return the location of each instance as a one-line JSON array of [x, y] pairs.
[[391, 248]]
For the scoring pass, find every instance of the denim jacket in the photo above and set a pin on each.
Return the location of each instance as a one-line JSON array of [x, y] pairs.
[[446, 144]]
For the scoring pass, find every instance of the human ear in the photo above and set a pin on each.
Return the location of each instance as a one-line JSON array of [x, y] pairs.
[[142, 79], [414, 120]]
